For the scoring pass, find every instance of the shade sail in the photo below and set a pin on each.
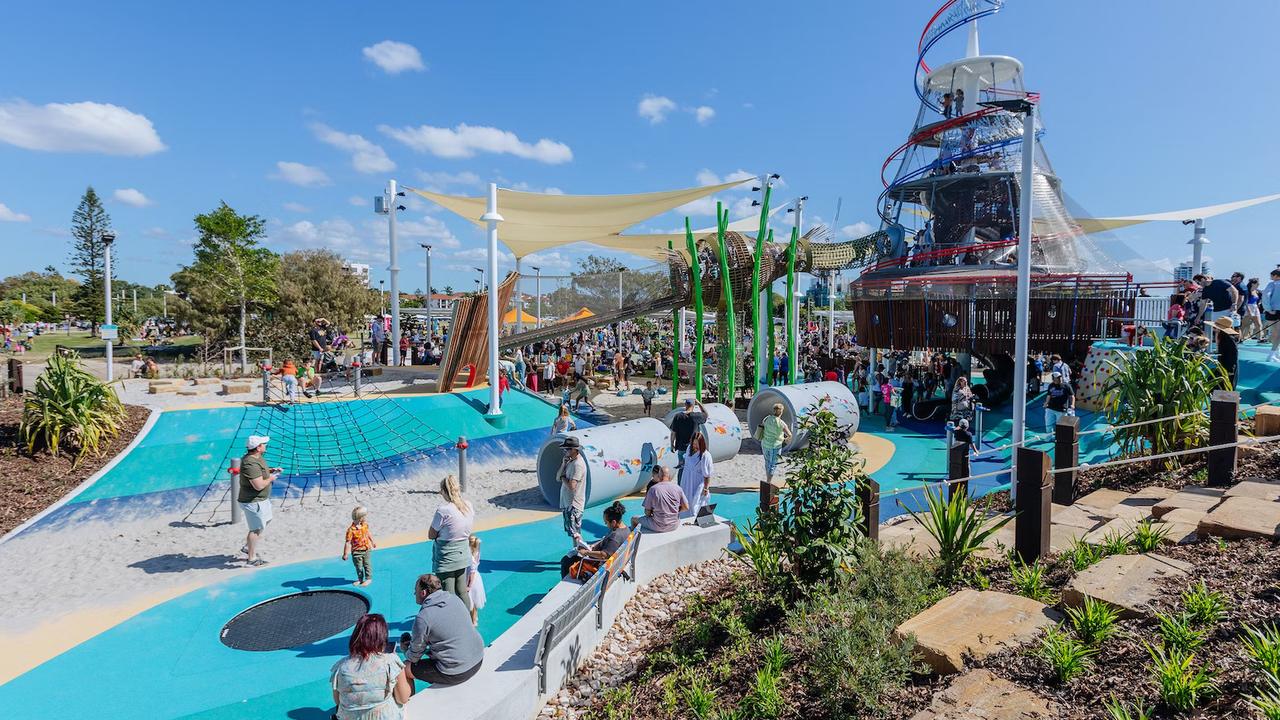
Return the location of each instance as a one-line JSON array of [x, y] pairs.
[[511, 319], [536, 221], [654, 246], [1093, 225], [581, 314]]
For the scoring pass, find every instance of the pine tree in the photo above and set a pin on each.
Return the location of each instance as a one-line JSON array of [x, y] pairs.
[[88, 224]]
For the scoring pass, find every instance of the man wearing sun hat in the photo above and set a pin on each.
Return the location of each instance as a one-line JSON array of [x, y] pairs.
[[1228, 350], [254, 494], [572, 476]]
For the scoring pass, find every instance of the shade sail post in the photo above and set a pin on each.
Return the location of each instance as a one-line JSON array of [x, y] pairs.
[[492, 218]]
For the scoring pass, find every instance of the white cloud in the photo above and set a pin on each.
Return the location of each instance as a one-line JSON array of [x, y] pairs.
[[655, 108], [465, 141], [479, 256], [428, 228], [523, 186], [548, 261], [131, 196], [367, 244], [7, 215], [156, 232], [299, 174], [703, 114], [359, 201], [296, 207], [438, 181], [856, 230], [366, 157], [77, 127], [706, 177], [394, 57]]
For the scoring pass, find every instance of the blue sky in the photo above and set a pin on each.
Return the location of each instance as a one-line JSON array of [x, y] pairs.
[[298, 113]]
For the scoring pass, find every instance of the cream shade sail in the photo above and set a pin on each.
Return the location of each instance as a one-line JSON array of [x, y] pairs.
[[1093, 225], [655, 246], [536, 221]]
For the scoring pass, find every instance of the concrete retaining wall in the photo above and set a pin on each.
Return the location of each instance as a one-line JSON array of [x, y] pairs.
[[506, 688]]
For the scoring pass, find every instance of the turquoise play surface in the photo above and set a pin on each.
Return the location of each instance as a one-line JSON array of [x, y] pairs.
[[167, 662]]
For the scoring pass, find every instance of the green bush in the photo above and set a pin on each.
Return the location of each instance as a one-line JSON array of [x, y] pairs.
[[1114, 543], [853, 659], [1202, 606], [960, 527], [1120, 710], [816, 523], [1081, 554], [1262, 645], [70, 408], [1161, 382], [1179, 633], [1094, 621], [1267, 701], [700, 698], [764, 698], [1029, 580], [760, 549], [1147, 536], [1067, 656], [1182, 685]]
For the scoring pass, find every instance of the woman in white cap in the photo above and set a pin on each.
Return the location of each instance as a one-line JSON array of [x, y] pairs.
[[254, 495]]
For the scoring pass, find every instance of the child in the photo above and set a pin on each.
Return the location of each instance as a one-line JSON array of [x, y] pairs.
[[358, 544], [475, 583], [1174, 318], [308, 378], [647, 395], [289, 379]]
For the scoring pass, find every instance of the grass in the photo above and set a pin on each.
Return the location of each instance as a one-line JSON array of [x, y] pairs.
[[1147, 536], [1114, 543], [960, 527], [1179, 633], [1094, 621], [42, 346], [1202, 606], [1182, 685], [1029, 580], [1262, 645], [1067, 656], [1267, 701], [1081, 555], [1120, 710], [700, 698]]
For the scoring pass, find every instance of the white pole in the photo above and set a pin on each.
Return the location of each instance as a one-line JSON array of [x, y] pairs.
[[106, 278], [1198, 241], [795, 309], [1024, 282], [394, 268], [55, 298], [762, 303], [135, 300], [492, 218], [537, 289], [164, 304], [519, 301], [831, 313], [431, 321]]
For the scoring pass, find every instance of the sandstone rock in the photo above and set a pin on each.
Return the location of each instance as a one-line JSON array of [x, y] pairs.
[[236, 388], [1183, 515], [1127, 582], [1256, 488], [1062, 537], [980, 695], [974, 624], [1178, 533], [910, 537], [188, 393], [157, 387], [1120, 527], [1138, 505], [1266, 422], [206, 381], [1077, 516], [1191, 498], [1242, 517], [1101, 501]]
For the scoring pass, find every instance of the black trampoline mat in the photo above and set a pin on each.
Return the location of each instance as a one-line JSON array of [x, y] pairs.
[[293, 620]]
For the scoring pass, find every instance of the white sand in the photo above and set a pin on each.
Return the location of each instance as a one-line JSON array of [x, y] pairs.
[[95, 564]]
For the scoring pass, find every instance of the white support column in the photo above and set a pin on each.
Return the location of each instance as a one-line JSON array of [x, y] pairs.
[[1197, 243], [106, 280], [492, 218], [1024, 283], [537, 289], [393, 267], [831, 313], [431, 321]]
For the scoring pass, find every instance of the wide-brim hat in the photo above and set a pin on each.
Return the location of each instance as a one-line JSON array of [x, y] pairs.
[[1224, 324], [571, 443]]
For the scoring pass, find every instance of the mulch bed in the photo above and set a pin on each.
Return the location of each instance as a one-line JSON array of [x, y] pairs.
[[31, 483], [1246, 572]]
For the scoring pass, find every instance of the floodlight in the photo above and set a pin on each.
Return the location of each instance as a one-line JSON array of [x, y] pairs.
[[108, 238]]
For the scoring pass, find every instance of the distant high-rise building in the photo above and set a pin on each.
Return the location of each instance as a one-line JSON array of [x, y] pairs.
[[1184, 273], [361, 271]]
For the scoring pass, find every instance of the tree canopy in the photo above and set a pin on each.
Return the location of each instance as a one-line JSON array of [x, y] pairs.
[[89, 223]]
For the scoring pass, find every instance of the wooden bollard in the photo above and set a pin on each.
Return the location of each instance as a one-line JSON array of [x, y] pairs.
[[768, 495], [1224, 407], [957, 468], [869, 503], [1066, 454], [1033, 505]]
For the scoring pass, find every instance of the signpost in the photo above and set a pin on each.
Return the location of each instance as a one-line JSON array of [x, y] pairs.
[[109, 332]]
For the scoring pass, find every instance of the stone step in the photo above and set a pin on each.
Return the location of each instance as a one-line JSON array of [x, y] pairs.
[[1078, 516], [980, 695], [1138, 505], [975, 624], [1202, 499], [1127, 582], [235, 388], [1266, 422], [1256, 488], [1242, 517], [1100, 502], [206, 381]]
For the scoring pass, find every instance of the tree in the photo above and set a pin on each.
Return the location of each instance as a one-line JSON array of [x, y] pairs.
[[230, 272], [88, 254], [313, 284], [40, 289]]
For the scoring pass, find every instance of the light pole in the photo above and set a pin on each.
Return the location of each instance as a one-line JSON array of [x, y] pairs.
[[1197, 243], [393, 267], [481, 280], [1022, 308], [107, 239], [382, 296], [492, 218], [431, 322], [537, 290], [135, 300]]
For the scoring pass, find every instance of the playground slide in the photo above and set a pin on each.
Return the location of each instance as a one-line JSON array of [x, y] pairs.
[[999, 381]]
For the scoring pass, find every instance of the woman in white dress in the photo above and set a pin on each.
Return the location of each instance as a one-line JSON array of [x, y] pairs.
[[695, 479]]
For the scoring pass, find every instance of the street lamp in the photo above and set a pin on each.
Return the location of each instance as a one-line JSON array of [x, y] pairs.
[[537, 289], [107, 239], [389, 205], [481, 280], [382, 295], [431, 321]]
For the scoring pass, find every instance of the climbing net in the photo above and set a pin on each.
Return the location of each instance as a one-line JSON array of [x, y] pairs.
[[339, 444]]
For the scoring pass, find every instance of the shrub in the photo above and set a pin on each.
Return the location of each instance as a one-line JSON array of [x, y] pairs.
[[775, 655], [760, 548], [1202, 606], [1178, 633], [1182, 685], [1147, 536], [1094, 621], [853, 659], [1082, 554], [1262, 645], [700, 698], [1114, 543], [764, 699], [1267, 701], [817, 512], [69, 408], [1120, 710], [1029, 580], [618, 703], [960, 527], [1161, 382], [1067, 656]]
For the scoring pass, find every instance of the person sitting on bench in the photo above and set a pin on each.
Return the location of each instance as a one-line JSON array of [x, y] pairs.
[[587, 559]]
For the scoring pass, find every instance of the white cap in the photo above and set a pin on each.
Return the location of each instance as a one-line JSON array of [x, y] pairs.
[[257, 440], [1056, 374]]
